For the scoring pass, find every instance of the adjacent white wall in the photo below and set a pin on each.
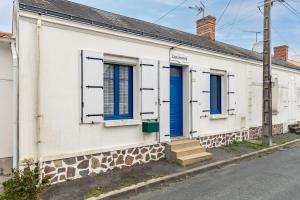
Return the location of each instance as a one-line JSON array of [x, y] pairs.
[[5, 100], [61, 132]]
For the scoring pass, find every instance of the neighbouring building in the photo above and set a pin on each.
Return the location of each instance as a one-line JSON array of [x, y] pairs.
[[82, 87]]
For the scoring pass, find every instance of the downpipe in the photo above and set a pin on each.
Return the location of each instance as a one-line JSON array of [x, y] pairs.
[[38, 90], [15, 107]]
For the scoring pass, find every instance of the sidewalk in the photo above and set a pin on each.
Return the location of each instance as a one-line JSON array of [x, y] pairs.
[[116, 179]]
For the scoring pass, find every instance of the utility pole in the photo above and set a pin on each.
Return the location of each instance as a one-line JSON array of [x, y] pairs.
[[267, 84]]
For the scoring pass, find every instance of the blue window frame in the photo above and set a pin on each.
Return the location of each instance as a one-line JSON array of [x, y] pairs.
[[118, 95], [215, 94]]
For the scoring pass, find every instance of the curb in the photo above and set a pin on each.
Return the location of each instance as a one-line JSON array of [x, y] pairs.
[[196, 170]]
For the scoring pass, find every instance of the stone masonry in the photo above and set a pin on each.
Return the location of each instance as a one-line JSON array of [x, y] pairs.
[[256, 132], [228, 138], [223, 139], [81, 166]]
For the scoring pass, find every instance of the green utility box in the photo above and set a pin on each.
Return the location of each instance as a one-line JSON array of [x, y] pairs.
[[150, 127]]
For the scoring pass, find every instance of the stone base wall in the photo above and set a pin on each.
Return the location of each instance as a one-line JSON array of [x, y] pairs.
[[228, 138], [256, 132], [81, 166], [223, 139]]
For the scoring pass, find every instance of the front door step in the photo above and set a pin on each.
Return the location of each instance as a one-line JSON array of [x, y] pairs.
[[186, 152], [193, 158], [294, 128]]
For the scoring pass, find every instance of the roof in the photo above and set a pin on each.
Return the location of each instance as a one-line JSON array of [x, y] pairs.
[[294, 62], [95, 17], [5, 35]]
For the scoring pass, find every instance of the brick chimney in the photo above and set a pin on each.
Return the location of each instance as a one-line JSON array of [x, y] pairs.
[[207, 26], [281, 52]]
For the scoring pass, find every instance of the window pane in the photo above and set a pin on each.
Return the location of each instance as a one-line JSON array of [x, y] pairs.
[[123, 90], [215, 93], [108, 89]]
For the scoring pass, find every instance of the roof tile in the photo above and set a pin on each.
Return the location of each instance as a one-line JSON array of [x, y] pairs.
[[84, 14]]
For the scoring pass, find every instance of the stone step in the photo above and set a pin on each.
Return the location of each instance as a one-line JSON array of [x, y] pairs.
[[293, 125], [194, 158], [188, 151], [180, 144], [294, 129]]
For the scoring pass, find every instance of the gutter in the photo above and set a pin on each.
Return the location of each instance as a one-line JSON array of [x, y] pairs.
[[15, 105]]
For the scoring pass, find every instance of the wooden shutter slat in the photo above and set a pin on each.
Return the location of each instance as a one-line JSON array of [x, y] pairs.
[[164, 96], [91, 87], [149, 89]]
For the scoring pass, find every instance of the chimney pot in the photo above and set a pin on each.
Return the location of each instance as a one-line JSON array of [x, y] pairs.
[[281, 52], [207, 26]]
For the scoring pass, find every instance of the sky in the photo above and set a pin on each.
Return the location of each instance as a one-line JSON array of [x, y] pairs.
[[241, 17]]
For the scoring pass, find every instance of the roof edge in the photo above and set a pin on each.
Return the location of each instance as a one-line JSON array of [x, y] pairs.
[[46, 12]]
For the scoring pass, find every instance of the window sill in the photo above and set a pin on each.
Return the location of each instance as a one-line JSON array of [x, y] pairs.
[[218, 116], [124, 122]]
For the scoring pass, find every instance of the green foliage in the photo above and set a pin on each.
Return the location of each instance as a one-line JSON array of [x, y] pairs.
[[256, 146], [24, 184]]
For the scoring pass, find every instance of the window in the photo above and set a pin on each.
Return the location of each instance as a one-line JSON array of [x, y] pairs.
[[118, 96], [215, 94]]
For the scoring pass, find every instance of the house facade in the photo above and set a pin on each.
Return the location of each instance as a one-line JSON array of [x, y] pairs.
[[89, 82], [6, 98]]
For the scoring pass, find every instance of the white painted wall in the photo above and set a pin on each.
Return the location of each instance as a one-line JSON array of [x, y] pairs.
[[61, 132], [255, 97], [5, 100]]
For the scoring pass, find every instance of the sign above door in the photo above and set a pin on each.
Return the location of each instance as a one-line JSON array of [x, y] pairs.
[[178, 58]]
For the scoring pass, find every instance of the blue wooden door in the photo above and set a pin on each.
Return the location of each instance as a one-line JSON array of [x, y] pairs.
[[176, 101]]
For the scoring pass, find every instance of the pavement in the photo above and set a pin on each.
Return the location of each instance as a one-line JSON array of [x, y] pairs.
[[272, 177]]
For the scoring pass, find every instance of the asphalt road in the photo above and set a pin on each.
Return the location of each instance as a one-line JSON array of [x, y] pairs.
[[272, 177]]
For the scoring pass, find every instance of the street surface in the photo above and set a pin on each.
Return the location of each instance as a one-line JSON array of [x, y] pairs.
[[271, 177]]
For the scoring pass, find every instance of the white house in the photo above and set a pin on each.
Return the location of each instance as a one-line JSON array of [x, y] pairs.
[[6, 98], [89, 80]]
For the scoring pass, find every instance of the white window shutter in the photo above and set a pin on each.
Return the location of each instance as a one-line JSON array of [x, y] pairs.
[[195, 101], [231, 93], [204, 92], [91, 86], [149, 89], [164, 101]]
